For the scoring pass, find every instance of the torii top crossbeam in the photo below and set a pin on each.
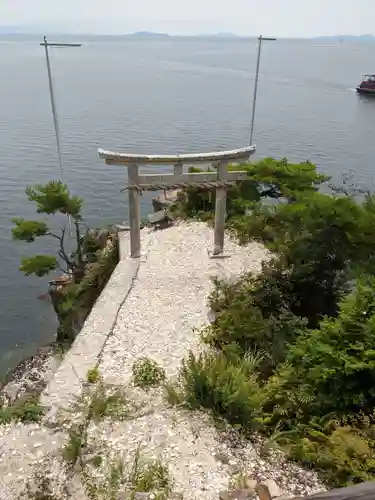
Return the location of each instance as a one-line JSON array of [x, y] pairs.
[[112, 158]]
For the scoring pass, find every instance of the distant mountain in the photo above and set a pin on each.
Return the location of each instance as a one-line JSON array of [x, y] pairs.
[[219, 35], [38, 29], [346, 37], [148, 34]]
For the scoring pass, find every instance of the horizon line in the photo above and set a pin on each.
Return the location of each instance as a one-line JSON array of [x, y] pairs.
[[147, 33]]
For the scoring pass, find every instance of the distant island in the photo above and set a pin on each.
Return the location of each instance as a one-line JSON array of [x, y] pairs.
[[151, 34], [147, 34], [34, 30], [345, 37], [39, 30]]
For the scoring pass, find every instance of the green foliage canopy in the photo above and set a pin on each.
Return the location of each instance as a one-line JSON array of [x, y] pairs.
[[28, 230], [54, 197], [269, 178], [51, 198], [40, 265]]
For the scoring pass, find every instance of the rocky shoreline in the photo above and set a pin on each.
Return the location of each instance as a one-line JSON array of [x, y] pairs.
[[31, 376]]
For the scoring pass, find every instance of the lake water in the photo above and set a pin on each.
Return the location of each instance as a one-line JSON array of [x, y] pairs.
[[161, 96]]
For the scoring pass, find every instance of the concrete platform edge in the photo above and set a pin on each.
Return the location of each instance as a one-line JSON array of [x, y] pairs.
[[66, 384]]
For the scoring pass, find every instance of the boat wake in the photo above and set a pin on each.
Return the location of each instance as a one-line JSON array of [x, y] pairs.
[[352, 90]]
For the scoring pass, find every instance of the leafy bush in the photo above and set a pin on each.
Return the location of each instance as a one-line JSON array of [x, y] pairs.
[[328, 374], [342, 457], [147, 373], [27, 409], [150, 476], [251, 322], [77, 440], [337, 362], [312, 215], [269, 178], [281, 179], [96, 276], [105, 403], [322, 241], [75, 301], [228, 389]]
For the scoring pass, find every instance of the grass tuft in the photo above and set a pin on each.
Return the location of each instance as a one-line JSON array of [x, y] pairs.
[[150, 476], [27, 409], [147, 373], [212, 381]]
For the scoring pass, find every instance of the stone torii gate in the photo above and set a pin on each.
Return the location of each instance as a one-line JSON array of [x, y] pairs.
[[220, 180]]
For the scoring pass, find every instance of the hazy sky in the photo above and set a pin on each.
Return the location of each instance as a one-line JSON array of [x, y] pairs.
[[293, 18]]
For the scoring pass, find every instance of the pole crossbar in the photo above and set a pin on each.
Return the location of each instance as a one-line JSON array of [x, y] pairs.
[[46, 45], [60, 44], [261, 39]]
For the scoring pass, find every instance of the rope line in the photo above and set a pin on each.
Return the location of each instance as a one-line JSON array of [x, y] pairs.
[[180, 185], [52, 88]]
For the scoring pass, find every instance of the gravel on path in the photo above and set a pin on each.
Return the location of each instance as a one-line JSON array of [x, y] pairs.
[[169, 299]]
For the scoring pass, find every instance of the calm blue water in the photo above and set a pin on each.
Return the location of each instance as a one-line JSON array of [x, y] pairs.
[[161, 96]]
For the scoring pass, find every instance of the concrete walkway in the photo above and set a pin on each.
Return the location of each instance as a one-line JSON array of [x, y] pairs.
[[169, 299]]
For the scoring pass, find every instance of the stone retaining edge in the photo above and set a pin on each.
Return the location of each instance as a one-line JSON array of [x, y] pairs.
[[67, 382]]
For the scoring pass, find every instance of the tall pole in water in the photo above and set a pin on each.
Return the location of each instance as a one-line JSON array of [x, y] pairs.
[[261, 39], [46, 45]]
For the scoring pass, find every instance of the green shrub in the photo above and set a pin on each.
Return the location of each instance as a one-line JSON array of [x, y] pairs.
[[279, 179], [268, 178], [27, 409], [328, 371], [76, 444], [173, 393], [77, 300], [143, 476], [105, 403], [97, 276], [151, 476], [310, 213], [321, 240], [343, 457], [93, 376], [147, 373], [338, 360], [307, 280], [211, 381], [252, 314]]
